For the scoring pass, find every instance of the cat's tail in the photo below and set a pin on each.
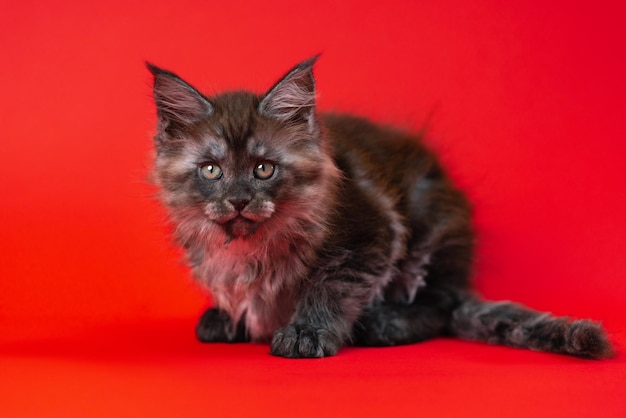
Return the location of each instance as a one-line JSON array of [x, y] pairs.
[[515, 325]]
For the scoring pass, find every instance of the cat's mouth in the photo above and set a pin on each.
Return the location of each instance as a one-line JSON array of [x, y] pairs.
[[239, 223], [240, 226], [240, 219]]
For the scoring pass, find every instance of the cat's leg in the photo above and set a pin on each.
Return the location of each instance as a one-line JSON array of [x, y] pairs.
[[392, 323], [517, 326], [428, 286], [323, 319], [216, 325]]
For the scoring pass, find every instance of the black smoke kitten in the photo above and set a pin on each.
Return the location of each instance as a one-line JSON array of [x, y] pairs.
[[312, 231]]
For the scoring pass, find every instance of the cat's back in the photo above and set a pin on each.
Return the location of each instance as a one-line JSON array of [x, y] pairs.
[[388, 157]]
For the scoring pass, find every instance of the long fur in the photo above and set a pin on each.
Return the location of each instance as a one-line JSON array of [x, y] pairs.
[[357, 237]]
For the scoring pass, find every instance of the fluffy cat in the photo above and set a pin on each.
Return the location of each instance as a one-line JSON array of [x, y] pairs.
[[312, 231]]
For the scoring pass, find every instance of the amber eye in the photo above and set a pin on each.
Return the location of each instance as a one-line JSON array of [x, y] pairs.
[[211, 171], [264, 170]]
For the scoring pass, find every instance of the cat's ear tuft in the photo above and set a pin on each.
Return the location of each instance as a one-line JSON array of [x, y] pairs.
[[293, 96], [177, 102]]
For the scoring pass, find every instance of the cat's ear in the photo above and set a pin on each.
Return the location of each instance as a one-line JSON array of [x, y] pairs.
[[178, 103], [293, 96]]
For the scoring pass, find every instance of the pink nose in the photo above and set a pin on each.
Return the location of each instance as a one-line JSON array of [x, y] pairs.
[[239, 204]]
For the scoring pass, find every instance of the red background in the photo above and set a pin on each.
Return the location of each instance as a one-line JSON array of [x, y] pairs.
[[524, 102]]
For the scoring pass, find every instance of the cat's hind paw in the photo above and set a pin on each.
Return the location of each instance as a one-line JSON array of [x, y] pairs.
[[304, 341]]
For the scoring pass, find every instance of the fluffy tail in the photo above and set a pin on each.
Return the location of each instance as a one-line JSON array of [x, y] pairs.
[[517, 326]]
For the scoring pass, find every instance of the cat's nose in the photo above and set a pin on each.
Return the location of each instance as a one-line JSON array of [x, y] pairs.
[[239, 204]]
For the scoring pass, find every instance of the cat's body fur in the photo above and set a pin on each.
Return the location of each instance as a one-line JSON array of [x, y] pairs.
[[314, 231]]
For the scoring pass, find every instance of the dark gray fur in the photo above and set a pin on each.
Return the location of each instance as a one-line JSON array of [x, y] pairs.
[[357, 237]]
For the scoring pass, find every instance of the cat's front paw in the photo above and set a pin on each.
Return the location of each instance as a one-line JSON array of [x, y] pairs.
[[216, 325], [304, 341]]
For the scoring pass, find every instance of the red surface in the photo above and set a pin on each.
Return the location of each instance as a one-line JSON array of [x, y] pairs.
[[525, 103]]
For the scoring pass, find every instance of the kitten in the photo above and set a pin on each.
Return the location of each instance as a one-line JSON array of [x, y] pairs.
[[312, 231]]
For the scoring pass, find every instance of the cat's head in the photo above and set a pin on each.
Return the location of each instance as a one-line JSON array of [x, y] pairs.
[[240, 165]]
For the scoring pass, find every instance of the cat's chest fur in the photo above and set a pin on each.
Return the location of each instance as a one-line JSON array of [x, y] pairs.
[[255, 285]]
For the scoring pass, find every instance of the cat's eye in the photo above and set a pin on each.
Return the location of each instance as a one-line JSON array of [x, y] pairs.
[[264, 170], [211, 171]]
